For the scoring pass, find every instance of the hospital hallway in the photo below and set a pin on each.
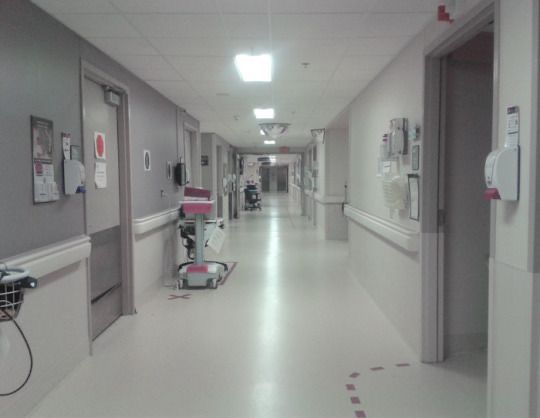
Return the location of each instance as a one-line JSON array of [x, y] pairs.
[[289, 334]]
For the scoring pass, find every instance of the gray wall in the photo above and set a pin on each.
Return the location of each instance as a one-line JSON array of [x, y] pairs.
[[40, 70]]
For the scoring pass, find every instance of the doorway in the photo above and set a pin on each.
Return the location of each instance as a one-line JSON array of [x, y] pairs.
[[467, 101], [456, 219], [107, 199], [274, 178]]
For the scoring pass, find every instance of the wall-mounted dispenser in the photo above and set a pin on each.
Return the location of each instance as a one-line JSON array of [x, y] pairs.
[[398, 137], [74, 177], [502, 174], [502, 166]]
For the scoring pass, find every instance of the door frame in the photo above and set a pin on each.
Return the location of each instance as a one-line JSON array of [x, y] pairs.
[[194, 133], [432, 249], [92, 73]]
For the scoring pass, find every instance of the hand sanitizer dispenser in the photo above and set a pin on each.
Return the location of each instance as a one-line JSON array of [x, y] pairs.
[[74, 177], [502, 174]]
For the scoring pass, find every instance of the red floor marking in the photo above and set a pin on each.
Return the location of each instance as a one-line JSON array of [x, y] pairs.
[[355, 400], [377, 369], [354, 375], [350, 386], [360, 414], [403, 365], [186, 296]]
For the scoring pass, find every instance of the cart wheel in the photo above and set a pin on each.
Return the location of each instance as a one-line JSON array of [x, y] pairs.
[[212, 283]]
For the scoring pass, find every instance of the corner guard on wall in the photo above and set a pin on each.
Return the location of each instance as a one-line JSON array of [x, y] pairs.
[[157, 220], [54, 257], [403, 237]]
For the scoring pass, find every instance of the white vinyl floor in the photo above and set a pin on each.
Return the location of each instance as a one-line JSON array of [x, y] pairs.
[[289, 335]]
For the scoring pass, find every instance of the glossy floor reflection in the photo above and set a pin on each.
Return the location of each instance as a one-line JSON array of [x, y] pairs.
[[279, 339]]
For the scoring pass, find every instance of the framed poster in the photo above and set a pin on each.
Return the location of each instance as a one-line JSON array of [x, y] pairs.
[[42, 139], [42, 135], [414, 196]]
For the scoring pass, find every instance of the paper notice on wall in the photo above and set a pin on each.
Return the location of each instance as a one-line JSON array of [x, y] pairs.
[[216, 240], [100, 176], [512, 127], [66, 145]]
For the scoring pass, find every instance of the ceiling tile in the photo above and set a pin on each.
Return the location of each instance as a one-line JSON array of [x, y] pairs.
[[178, 25], [395, 24], [243, 6], [377, 46], [344, 89], [152, 74], [143, 61], [191, 47], [124, 46], [321, 6], [166, 6], [75, 6], [409, 6], [99, 25], [361, 67], [246, 26], [317, 26], [205, 68]]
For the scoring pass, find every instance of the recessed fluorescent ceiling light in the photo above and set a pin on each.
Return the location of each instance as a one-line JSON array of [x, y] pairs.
[[270, 142], [254, 67], [264, 113]]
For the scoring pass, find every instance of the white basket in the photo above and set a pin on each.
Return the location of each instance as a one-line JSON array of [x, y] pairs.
[[11, 292]]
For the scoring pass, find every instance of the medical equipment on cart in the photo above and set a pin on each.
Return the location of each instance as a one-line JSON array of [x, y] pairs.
[[196, 229], [252, 197]]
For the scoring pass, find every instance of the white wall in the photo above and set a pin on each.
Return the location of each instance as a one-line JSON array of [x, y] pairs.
[[54, 318], [389, 274], [513, 340], [395, 284], [157, 253]]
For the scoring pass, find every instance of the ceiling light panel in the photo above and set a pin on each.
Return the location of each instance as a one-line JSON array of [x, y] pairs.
[[269, 142], [264, 113], [254, 68]]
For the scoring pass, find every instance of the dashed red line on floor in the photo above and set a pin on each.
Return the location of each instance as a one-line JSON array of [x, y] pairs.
[[355, 400]]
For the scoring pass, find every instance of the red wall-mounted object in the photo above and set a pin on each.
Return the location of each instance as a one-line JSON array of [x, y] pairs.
[[443, 15], [492, 194]]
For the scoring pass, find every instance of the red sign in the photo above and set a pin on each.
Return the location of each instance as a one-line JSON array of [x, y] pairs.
[[284, 150], [99, 145]]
